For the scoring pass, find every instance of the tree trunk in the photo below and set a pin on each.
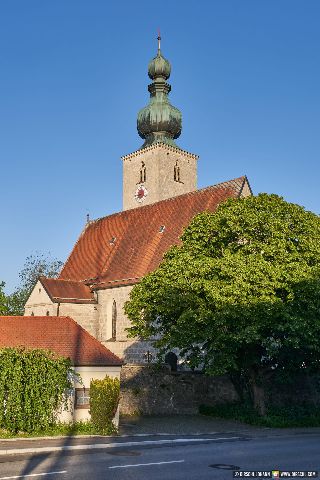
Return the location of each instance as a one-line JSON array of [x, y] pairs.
[[240, 386], [258, 395]]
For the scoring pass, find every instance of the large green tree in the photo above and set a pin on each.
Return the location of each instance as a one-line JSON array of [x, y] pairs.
[[36, 265], [240, 295]]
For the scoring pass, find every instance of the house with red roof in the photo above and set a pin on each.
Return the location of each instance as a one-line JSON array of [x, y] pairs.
[[66, 338], [113, 253]]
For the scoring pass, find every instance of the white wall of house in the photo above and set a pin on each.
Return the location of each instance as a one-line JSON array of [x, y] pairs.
[[74, 414]]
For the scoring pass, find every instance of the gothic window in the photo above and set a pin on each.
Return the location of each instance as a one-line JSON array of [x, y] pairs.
[[143, 173], [176, 172], [114, 320]]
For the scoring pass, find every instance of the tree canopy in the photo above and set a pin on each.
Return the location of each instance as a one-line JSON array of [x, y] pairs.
[[242, 291], [3, 300], [36, 265]]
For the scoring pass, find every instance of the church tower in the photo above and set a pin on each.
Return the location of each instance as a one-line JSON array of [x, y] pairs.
[[159, 169]]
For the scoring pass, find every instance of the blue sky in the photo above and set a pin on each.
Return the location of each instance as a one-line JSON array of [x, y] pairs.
[[73, 75]]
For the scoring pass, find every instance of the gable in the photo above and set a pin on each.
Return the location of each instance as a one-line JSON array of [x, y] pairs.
[[121, 248], [39, 296]]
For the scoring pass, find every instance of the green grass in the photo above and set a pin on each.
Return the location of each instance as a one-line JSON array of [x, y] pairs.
[[276, 417], [61, 429]]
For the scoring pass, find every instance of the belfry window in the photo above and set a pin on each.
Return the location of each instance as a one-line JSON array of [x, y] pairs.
[[114, 320], [176, 172], [143, 173]]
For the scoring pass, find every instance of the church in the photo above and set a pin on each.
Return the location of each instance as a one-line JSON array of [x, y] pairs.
[[113, 253]]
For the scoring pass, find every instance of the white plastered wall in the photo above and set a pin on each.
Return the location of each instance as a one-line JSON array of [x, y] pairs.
[[87, 374]]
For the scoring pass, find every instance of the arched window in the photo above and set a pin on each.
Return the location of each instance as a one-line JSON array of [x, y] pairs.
[[114, 320], [48, 313], [172, 360]]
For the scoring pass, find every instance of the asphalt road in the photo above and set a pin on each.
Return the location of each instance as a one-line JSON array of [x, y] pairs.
[[214, 457]]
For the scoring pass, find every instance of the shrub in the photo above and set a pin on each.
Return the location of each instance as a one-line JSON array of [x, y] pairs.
[[104, 400], [33, 386], [276, 417]]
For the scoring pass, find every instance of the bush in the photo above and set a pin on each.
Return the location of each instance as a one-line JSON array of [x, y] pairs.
[[33, 386], [276, 417], [104, 400]]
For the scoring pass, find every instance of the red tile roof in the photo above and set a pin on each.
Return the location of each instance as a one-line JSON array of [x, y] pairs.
[[67, 291], [62, 335], [123, 247]]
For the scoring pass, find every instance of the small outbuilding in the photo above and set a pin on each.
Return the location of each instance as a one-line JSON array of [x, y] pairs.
[[65, 337]]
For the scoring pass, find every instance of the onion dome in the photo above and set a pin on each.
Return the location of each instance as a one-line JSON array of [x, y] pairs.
[[159, 121], [159, 67]]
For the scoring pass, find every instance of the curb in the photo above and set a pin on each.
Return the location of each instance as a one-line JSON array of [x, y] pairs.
[[124, 435]]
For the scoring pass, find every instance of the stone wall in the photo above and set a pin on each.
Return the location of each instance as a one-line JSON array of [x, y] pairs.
[[152, 390], [132, 351], [83, 313]]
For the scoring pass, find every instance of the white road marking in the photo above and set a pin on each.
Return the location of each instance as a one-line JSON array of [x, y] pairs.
[[52, 449], [146, 464], [33, 475]]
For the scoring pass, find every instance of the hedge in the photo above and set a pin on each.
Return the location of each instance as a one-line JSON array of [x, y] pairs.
[[33, 387], [104, 400]]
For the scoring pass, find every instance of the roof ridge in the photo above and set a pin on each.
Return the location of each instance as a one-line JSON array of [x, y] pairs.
[[150, 205], [63, 280], [34, 316]]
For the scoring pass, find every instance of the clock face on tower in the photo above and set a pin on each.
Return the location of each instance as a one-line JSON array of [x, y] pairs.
[[141, 193]]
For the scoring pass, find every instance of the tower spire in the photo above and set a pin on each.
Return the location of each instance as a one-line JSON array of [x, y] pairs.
[[159, 122]]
